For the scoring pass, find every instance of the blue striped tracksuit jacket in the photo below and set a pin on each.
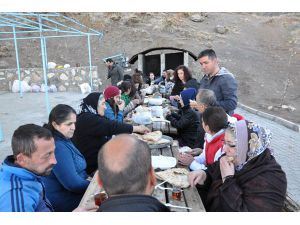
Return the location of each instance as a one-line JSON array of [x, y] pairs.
[[21, 190]]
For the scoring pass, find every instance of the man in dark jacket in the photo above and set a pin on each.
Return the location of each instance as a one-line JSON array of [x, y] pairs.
[[219, 80], [126, 175], [187, 121], [115, 72]]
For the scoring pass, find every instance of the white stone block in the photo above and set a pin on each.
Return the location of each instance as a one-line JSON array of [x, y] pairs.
[[63, 77], [50, 75], [73, 72]]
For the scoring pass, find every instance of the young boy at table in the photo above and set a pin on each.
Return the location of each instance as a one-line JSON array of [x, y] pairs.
[[214, 122]]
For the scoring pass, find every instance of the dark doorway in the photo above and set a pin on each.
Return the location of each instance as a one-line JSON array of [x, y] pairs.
[[172, 60], [152, 64]]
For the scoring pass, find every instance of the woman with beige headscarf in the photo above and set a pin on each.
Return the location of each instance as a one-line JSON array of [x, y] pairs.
[[247, 177]]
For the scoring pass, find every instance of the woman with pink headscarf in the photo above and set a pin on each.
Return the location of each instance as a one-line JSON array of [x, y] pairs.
[[247, 177]]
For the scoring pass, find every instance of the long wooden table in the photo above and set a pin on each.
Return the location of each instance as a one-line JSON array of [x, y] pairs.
[[157, 123], [190, 197]]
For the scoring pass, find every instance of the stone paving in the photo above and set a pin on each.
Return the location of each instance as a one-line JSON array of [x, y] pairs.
[[15, 111], [285, 143]]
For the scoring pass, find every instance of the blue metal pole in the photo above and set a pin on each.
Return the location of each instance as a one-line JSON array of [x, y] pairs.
[[112, 57], [14, 22], [31, 21], [78, 23], [48, 36], [45, 76], [90, 61], [29, 14], [44, 66], [46, 54], [60, 24], [33, 31], [18, 65], [6, 24]]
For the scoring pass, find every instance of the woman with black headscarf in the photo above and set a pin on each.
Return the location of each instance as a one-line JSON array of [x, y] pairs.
[[247, 177], [93, 130]]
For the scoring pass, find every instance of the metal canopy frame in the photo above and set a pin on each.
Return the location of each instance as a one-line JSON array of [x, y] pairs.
[[18, 26], [120, 59]]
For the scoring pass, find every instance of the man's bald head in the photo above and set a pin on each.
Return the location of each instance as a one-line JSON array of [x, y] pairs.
[[118, 151], [124, 164]]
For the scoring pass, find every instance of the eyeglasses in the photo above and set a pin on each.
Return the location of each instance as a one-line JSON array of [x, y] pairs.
[[228, 144]]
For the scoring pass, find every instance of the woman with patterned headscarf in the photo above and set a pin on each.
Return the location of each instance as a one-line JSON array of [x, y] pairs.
[[247, 177], [93, 129]]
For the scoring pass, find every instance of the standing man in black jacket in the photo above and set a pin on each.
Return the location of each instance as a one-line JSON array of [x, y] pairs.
[[219, 80], [115, 72], [126, 174]]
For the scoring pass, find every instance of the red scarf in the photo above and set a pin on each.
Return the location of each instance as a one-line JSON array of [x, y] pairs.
[[212, 147]]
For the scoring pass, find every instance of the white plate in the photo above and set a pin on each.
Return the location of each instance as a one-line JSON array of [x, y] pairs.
[[163, 162]]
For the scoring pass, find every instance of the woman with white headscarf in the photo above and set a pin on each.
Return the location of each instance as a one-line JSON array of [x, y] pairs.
[[247, 177]]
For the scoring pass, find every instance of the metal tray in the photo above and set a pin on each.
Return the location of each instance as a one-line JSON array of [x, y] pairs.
[[164, 145]]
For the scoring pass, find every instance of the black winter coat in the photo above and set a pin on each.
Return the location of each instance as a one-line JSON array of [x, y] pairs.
[[115, 73], [179, 86], [92, 131], [188, 124], [132, 203], [259, 186]]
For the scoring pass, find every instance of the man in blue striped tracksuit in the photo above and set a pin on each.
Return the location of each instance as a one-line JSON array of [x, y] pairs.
[[21, 189]]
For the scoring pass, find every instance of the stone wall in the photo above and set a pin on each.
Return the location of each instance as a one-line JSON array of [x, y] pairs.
[[65, 79]]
